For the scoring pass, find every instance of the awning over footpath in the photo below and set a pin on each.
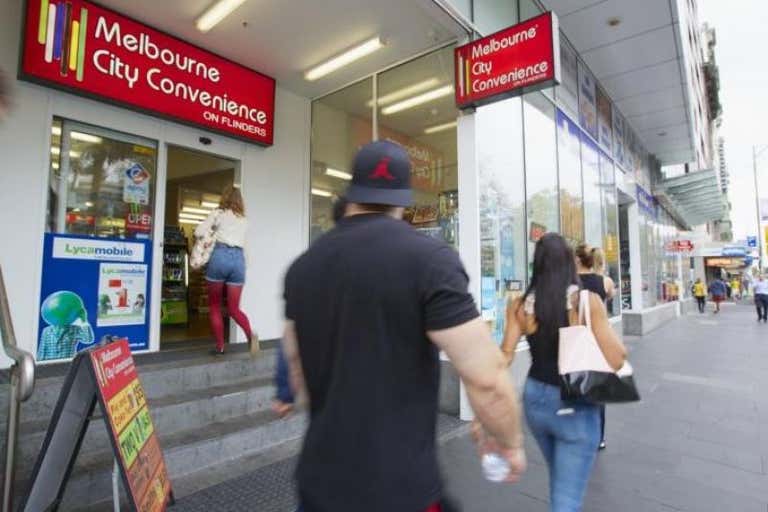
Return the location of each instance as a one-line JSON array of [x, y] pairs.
[[694, 198]]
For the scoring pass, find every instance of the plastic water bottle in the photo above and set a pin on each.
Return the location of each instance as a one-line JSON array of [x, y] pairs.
[[495, 467]]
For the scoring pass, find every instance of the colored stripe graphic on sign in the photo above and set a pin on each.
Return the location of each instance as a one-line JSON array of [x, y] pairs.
[[73, 37], [58, 36], [81, 43], [42, 26], [65, 39], [49, 33]]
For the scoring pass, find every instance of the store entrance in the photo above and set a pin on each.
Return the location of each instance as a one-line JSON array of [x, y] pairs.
[[194, 185], [625, 202]]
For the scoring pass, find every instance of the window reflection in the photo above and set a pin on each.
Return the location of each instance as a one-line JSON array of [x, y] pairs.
[[569, 158], [502, 208], [341, 124], [102, 182], [416, 109], [540, 169]]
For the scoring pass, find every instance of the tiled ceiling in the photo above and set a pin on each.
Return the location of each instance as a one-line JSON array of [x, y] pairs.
[[639, 64]]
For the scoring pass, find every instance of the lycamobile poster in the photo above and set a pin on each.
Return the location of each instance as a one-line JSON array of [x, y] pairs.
[[92, 288]]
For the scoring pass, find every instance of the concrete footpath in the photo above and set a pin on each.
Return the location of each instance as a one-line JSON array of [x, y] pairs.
[[697, 442]]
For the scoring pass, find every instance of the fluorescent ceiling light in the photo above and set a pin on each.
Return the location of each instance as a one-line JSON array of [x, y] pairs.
[[215, 13], [338, 174], [320, 192], [418, 100], [189, 221], [56, 130], [194, 216], [190, 209], [85, 137], [56, 150], [209, 204], [406, 92], [343, 59], [440, 128]]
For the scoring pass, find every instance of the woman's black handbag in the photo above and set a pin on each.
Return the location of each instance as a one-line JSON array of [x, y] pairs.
[[584, 371]]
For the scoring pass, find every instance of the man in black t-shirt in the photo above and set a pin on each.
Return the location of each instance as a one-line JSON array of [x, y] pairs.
[[369, 306]]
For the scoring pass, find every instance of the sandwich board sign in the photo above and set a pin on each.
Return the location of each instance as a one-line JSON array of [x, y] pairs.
[[105, 375]]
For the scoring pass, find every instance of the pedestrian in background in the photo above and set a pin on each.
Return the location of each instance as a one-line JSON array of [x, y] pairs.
[[718, 290], [700, 293], [226, 267], [736, 288], [761, 298], [282, 404], [369, 306], [588, 260], [568, 433]]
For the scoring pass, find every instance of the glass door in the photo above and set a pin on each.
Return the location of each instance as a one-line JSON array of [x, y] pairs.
[[96, 268], [102, 182]]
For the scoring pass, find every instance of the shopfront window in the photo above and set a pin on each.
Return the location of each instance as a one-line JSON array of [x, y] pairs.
[[540, 169], [416, 108], [499, 136], [593, 205], [569, 159], [610, 222], [341, 124], [102, 183]]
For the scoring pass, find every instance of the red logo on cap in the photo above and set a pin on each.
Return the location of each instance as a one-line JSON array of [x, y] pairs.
[[382, 170]]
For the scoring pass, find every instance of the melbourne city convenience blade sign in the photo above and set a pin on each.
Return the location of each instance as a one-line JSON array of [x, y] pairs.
[[518, 59], [81, 47]]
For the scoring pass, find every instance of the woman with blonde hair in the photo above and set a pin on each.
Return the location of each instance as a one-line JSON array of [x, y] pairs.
[[590, 264], [226, 267]]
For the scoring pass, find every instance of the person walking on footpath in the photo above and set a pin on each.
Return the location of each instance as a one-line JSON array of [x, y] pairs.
[[761, 298], [700, 293], [369, 306], [226, 267], [282, 404], [568, 433], [736, 288], [718, 290], [588, 260]]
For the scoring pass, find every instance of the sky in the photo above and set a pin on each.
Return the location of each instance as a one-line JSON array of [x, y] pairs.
[[741, 52]]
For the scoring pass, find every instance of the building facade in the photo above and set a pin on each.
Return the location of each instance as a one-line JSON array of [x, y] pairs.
[[583, 158]]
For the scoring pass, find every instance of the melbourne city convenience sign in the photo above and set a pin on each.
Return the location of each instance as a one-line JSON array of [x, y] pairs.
[[522, 58], [84, 48]]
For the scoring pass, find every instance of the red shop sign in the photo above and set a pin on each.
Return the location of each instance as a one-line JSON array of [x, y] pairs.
[[84, 48], [521, 58]]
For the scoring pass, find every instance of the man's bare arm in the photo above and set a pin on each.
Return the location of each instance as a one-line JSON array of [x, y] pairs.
[[295, 372], [483, 369]]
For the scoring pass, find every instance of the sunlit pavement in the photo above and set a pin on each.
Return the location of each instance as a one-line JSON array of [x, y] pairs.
[[697, 442]]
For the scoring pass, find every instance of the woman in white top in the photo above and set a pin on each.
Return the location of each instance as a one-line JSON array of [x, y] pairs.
[[226, 268]]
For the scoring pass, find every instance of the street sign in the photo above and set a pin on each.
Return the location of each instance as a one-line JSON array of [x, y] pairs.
[[751, 241]]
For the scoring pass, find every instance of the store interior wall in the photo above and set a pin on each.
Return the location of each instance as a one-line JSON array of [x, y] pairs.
[[275, 186]]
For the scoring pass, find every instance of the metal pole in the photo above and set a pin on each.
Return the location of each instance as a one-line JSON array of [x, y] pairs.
[[115, 487], [10, 447], [757, 210]]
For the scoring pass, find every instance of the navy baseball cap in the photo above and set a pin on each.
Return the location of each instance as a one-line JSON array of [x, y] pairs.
[[381, 174]]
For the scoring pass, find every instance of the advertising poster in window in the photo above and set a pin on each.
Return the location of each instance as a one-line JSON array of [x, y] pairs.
[[618, 137], [587, 101], [604, 120], [91, 289], [568, 90], [122, 294]]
